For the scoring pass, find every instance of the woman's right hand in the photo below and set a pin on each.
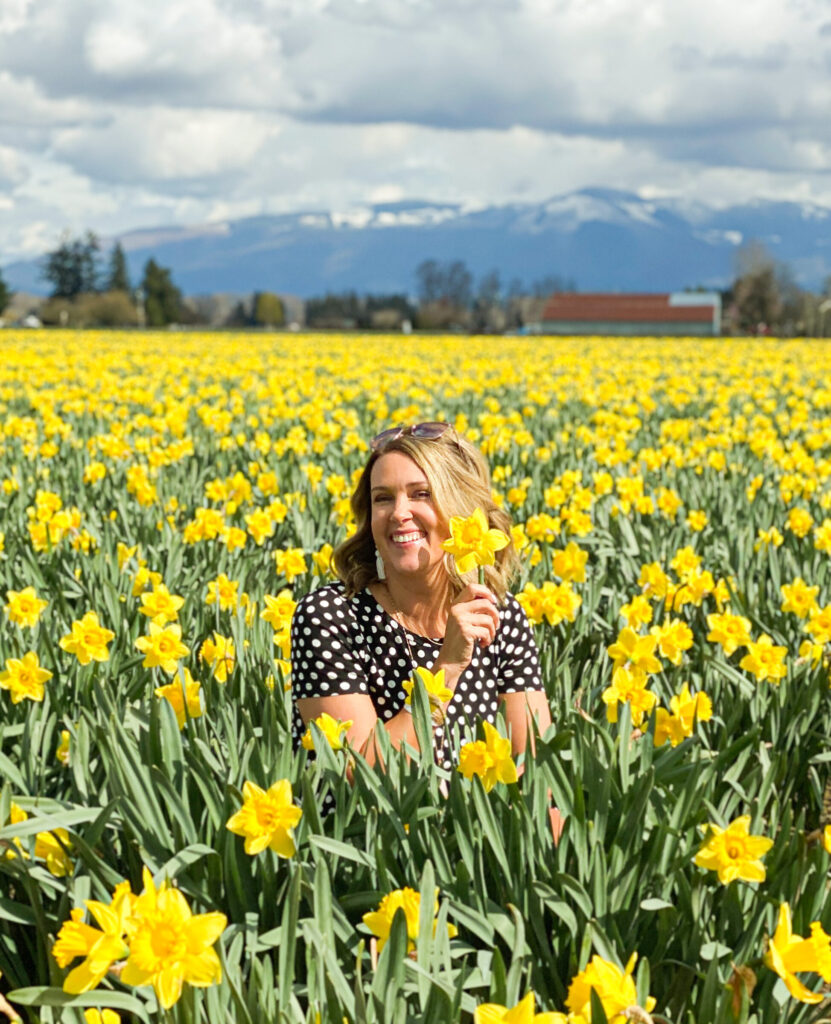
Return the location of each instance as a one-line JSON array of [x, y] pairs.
[[473, 617]]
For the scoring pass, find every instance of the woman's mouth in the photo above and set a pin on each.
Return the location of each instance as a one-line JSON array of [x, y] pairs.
[[407, 537]]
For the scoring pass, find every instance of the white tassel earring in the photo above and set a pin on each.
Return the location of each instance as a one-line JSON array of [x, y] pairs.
[[379, 566]]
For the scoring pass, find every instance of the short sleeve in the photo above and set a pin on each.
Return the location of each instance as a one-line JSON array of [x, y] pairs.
[[324, 647], [519, 663]]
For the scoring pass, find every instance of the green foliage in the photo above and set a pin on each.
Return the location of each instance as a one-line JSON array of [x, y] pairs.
[[118, 278], [72, 268], [105, 309], [5, 294], [268, 310], [162, 299], [139, 792]]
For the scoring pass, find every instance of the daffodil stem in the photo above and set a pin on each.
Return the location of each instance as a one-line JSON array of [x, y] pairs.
[[481, 574]]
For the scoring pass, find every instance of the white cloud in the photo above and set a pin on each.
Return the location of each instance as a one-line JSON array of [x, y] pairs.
[[164, 145], [13, 14], [116, 114]]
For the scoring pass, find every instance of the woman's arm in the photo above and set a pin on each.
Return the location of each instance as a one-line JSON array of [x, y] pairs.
[[359, 709], [520, 710]]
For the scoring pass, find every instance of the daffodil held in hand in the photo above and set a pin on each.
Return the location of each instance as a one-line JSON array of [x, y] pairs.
[[472, 542]]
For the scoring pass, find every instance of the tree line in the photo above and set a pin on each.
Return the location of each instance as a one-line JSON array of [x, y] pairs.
[[90, 288]]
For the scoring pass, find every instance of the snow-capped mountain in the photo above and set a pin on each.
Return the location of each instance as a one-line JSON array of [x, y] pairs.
[[601, 239]]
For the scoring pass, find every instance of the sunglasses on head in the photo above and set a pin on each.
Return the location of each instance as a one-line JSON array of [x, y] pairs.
[[424, 431]]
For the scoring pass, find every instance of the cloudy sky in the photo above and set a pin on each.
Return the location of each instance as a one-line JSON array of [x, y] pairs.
[[116, 114]]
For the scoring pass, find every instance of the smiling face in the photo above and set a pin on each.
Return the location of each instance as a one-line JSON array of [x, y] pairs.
[[406, 527]]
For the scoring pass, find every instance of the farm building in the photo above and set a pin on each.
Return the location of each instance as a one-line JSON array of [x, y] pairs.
[[680, 313]]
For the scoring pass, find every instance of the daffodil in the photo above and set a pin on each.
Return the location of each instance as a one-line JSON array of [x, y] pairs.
[[788, 954], [24, 607], [278, 610], [322, 560], [733, 852], [62, 750], [615, 988], [333, 729], [674, 637], [162, 647], [523, 1013], [223, 591], [677, 723], [184, 696], [728, 630], [160, 605], [100, 946], [51, 847], [290, 563], [266, 819], [472, 542], [24, 678], [379, 921], [765, 660], [629, 687], [88, 640], [799, 598], [102, 1016], [637, 612], [570, 564], [220, 653], [490, 759], [433, 683], [260, 525], [819, 624], [638, 652], [170, 945]]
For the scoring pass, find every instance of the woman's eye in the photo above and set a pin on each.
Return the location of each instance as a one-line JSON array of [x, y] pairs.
[[379, 498], [423, 495]]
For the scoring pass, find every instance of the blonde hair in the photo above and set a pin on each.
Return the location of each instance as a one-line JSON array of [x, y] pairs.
[[459, 483]]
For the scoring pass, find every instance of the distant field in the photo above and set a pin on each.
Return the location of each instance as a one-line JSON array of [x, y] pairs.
[[672, 509]]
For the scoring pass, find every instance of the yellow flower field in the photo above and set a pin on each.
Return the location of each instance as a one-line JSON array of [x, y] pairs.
[[165, 499]]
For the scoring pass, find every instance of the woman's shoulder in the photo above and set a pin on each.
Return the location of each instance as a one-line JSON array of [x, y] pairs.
[[324, 599]]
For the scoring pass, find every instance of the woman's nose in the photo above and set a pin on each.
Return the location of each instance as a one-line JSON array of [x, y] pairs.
[[401, 508]]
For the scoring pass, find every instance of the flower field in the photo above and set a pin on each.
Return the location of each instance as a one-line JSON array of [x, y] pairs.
[[165, 499]]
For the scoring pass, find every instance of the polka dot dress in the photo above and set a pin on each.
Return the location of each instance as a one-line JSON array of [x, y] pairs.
[[343, 645]]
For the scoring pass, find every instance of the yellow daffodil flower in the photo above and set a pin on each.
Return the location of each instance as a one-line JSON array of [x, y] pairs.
[[266, 819], [733, 852], [523, 1013], [379, 921], [490, 759], [182, 694], [162, 647], [788, 954], [88, 640], [333, 729], [24, 678], [24, 607], [472, 542], [170, 945], [614, 987]]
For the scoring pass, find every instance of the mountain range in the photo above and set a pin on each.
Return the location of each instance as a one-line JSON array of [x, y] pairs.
[[599, 239]]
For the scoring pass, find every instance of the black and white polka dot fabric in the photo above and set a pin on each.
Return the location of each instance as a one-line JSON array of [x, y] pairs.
[[343, 645]]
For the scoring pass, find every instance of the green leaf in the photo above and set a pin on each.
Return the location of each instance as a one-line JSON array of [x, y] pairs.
[[44, 995]]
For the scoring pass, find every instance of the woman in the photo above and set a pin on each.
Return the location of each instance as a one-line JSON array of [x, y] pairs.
[[399, 604]]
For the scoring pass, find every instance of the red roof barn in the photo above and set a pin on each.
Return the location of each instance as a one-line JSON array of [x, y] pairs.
[[679, 313]]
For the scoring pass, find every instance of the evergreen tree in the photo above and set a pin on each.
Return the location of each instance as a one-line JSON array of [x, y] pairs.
[[72, 268], [118, 279], [5, 295], [162, 299]]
